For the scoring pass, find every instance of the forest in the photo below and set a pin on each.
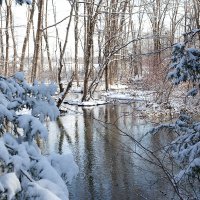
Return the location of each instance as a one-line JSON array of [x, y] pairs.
[[99, 99]]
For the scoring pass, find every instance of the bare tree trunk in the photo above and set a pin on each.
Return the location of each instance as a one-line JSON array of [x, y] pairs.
[[1, 44], [113, 66], [76, 37], [100, 41], [14, 67], [25, 43], [57, 41], [35, 63], [41, 66], [196, 5], [45, 34], [173, 22], [7, 37], [62, 50], [92, 14], [65, 92], [121, 67], [107, 48]]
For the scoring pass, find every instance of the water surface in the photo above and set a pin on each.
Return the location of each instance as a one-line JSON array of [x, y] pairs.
[[101, 139]]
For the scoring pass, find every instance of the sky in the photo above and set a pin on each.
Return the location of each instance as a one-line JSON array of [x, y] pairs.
[[63, 10]]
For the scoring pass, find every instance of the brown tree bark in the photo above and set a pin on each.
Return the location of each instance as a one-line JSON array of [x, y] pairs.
[[62, 50], [28, 28], [76, 38], [45, 35], [92, 14], [1, 44], [6, 70], [37, 49], [14, 66]]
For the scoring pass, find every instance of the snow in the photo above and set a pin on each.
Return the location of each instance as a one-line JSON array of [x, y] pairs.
[[77, 90], [32, 149], [86, 103], [18, 163], [185, 149], [28, 2], [100, 102], [52, 187], [3, 100], [26, 107], [195, 164], [120, 96], [4, 155], [52, 88], [14, 104], [192, 92], [10, 140], [31, 126], [19, 76], [179, 176], [73, 102], [118, 87], [44, 170], [4, 86], [37, 192], [21, 160], [64, 165], [1, 188], [11, 184], [5, 113], [42, 110]]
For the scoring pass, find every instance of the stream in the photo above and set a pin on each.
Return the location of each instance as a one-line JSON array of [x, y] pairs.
[[111, 165]]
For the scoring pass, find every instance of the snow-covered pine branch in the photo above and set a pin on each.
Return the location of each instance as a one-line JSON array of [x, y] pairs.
[[19, 2], [185, 149], [26, 173], [185, 67]]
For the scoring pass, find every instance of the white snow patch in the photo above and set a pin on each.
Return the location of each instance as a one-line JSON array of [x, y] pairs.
[[118, 87], [11, 183], [77, 90], [37, 192], [64, 165], [85, 103], [121, 96], [44, 170], [19, 76], [53, 188], [4, 155]]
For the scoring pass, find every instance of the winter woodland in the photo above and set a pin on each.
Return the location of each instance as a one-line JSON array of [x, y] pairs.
[[108, 53]]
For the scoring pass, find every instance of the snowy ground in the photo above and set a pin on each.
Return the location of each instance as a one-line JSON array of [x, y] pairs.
[[147, 106]]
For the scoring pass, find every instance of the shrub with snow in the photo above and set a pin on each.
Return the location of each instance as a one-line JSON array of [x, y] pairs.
[[185, 149], [20, 2], [24, 172], [185, 66]]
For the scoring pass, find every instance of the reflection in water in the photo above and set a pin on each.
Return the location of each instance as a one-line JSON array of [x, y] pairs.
[[108, 168], [63, 133], [89, 156]]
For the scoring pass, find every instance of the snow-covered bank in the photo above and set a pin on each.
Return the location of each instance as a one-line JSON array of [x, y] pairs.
[[144, 102], [85, 103]]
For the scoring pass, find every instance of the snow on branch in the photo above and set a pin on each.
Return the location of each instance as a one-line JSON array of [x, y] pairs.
[[185, 149], [20, 2], [185, 66], [24, 172]]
